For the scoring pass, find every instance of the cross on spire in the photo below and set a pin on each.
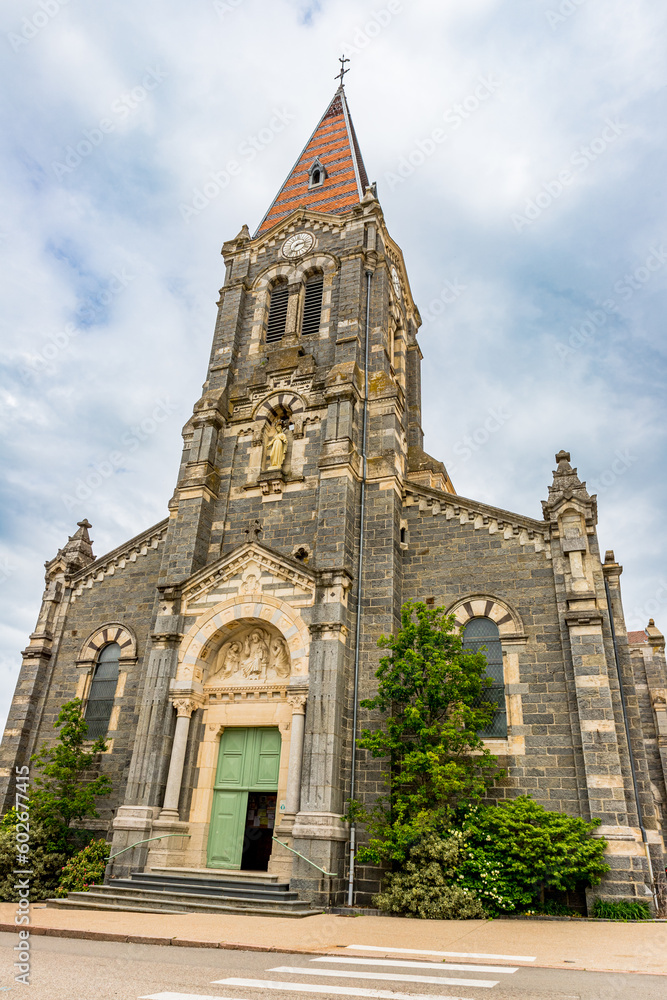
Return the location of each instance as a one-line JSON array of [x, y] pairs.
[[342, 60]]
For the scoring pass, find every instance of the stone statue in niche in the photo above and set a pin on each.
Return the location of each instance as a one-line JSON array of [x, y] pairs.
[[255, 654], [278, 448]]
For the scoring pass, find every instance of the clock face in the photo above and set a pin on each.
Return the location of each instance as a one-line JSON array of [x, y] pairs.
[[396, 282], [298, 244]]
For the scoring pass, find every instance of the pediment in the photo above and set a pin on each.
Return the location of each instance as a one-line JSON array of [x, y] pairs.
[[252, 569]]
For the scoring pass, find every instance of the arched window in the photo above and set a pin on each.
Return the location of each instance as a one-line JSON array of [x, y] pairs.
[[482, 634], [102, 691], [275, 328], [312, 306]]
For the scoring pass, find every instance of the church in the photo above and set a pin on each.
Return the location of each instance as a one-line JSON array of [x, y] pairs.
[[224, 651]]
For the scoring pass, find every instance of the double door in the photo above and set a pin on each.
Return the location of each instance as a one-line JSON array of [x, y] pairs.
[[244, 799]]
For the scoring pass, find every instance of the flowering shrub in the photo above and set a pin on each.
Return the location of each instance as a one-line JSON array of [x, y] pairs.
[[426, 886], [516, 850], [85, 869]]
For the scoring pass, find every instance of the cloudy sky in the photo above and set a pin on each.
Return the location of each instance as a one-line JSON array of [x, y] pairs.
[[519, 151]]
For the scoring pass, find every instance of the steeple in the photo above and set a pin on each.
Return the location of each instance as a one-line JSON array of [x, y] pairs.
[[329, 175]]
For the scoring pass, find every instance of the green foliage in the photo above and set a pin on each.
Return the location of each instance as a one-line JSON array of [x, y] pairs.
[[431, 696], [62, 795], [426, 886], [551, 908], [85, 869], [624, 909], [44, 863], [516, 850], [62, 792]]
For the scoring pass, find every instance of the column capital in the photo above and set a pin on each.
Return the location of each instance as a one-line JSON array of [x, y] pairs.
[[185, 706], [298, 702]]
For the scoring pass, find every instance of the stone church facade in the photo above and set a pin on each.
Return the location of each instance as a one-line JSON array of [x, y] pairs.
[[217, 649]]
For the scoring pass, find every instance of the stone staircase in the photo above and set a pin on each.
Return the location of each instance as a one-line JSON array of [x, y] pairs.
[[173, 890]]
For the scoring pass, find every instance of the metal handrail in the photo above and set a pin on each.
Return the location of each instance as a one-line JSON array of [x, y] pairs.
[[304, 858], [147, 841]]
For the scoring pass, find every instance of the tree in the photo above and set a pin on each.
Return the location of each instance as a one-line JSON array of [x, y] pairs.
[[63, 792], [431, 697], [62, 795]]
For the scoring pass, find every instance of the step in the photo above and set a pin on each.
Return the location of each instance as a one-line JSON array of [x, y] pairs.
[[212, 884], [238, 890], [173, 894], [95, 900], [238, 874], [94, 904]]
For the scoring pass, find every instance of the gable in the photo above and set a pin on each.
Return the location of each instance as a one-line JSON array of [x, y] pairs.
[[253, 569]]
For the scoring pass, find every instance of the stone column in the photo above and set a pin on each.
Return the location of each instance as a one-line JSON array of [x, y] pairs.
[[293, 794], [184, 708]]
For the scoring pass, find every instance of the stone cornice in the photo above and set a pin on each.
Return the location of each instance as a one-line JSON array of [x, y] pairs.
[[117, 559], [527, 530]]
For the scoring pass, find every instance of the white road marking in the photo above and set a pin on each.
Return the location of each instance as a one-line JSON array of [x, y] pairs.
[[394, 977], [443, 954], [183, 996], [447, 967], [338, 991]]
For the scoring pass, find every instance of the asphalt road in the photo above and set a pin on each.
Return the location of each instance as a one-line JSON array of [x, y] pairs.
[[69, 969]]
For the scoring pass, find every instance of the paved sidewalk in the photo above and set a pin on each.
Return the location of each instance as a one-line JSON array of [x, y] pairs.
[[554, 944]]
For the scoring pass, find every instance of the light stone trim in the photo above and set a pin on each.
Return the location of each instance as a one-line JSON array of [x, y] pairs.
[[605, 781], [591, 681], [524, 530], [215, 626], [598, 726], [512, 636], [232, 565], [485, 606], [118, 559], [102, 636]]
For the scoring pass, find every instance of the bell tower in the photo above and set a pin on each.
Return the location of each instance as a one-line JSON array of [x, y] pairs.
[[306, 432]]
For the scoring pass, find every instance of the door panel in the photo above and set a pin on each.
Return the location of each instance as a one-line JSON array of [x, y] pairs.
[[225, 840], [267, 759], [249, 759], [232, 757]]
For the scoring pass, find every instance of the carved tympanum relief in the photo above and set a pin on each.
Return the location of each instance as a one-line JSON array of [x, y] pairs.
[[254, 654]]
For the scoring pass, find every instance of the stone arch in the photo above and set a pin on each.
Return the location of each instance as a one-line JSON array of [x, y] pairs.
[[272, 407], [112, 632], [212, 629], [486, 606]]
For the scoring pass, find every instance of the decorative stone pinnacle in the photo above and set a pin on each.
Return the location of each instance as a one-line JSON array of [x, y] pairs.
[[567, 486]]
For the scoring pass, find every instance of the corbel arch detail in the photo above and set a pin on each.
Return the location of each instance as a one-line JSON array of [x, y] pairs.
[[506, 618], [112, 632]]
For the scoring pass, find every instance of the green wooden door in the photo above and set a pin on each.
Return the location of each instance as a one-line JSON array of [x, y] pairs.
[[248, 760]]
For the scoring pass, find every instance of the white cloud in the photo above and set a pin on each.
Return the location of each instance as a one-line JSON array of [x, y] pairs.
[[62, 240]]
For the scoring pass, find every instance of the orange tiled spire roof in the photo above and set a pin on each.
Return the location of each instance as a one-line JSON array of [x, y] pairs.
[[334, 144]]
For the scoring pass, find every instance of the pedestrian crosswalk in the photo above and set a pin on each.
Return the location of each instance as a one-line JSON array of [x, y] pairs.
[[359, 971]]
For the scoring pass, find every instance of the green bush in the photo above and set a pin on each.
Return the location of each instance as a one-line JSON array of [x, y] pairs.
[[624, 909], [426, 886], [85, 869], [44, 861], [517, 850]]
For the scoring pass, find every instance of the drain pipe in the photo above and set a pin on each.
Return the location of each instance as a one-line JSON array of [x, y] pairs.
[[627, 736], [360, 565]]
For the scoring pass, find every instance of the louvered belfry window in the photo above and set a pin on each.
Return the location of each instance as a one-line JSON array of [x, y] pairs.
[[102, 691], [481, 634], [275, 328], [312, 307]]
